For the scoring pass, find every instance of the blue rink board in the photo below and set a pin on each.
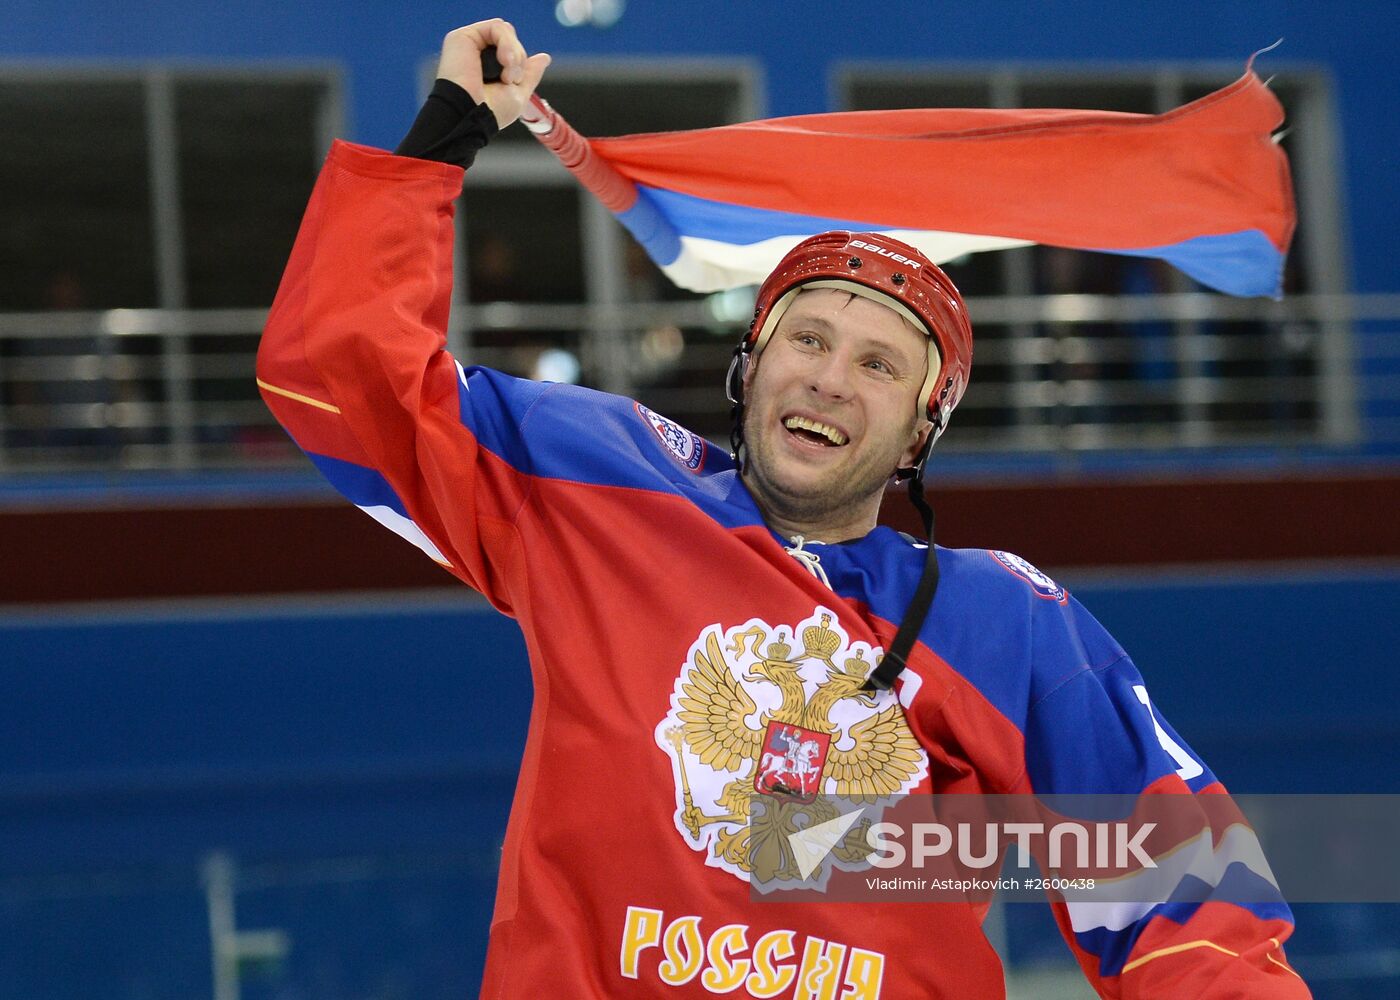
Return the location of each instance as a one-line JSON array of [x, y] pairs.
[[356, 758]]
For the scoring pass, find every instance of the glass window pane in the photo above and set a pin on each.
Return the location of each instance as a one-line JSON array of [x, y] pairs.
[[977, 273], [1137, 96], [75, 217], [247, 159], [523, 244]]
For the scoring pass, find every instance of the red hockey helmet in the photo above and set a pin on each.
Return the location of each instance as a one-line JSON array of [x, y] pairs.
[[889, 272]]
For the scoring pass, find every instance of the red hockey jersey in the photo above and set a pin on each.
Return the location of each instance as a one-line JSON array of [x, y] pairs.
[[680, 654]]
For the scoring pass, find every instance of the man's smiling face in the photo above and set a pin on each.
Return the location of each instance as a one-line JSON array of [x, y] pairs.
[[831, 412]]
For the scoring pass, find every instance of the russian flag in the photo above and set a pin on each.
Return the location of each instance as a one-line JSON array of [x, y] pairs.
[[1204, 186]]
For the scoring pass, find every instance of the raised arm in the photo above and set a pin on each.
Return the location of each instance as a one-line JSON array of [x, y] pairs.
[[353, 360]]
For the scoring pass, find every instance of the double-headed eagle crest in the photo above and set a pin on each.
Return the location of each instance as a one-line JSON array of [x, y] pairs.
[[752, 722]]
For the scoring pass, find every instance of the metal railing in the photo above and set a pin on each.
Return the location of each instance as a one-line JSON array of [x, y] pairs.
[[174, 389]]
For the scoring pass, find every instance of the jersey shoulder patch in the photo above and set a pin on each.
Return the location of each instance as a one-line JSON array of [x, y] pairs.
[[1043, 586], [685, 446]]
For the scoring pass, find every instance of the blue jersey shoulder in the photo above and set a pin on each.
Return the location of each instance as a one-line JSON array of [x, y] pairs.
[[586, 436], [982, 624], [980, 621], [1052, 669], [1020, 614], [1004, 625]]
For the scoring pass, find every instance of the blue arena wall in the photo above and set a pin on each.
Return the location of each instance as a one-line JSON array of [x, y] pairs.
[[356, 758]]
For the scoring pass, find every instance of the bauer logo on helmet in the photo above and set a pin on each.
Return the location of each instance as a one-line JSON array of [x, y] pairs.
[[897, 257]]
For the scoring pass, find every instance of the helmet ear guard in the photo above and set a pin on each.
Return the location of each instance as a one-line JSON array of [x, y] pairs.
[[734, 392], [734, 379]]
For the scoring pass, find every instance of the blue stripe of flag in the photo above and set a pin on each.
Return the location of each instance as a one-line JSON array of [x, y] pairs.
[[1243, 263], [740, 224], [1240, 263]]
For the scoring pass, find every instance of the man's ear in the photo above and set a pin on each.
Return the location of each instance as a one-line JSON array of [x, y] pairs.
[[919, 436], [750, 366]]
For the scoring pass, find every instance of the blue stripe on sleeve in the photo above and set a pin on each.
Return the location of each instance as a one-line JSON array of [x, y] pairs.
[[1114, 948], [362, 486]]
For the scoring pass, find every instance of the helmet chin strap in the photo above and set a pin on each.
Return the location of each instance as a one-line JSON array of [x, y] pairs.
[[896, 657]]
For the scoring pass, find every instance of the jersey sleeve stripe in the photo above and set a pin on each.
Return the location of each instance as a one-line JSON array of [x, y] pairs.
[[1114, 947], [1177, 949], [328, 407], [1244, 889], [1282, 965], [1235, 868]]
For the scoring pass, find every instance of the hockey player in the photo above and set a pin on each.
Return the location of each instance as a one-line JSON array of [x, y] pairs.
[[708, 630]]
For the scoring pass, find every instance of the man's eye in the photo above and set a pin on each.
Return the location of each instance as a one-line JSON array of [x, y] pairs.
[[877, 365]]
